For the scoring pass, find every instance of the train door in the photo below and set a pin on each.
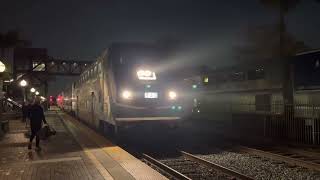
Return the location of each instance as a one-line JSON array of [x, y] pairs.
[[77, 106]]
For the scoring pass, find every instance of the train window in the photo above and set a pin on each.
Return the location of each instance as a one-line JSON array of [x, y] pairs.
[[256, 74], [237, 76], [263, 102], [206, 80], [222, 78]]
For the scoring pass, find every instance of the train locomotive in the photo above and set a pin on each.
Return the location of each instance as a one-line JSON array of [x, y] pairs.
[[127, 86]]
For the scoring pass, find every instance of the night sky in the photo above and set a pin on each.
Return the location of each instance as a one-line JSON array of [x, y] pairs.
[[211, 27]]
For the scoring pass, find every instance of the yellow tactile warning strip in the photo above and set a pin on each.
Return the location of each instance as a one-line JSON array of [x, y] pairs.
[[135, 167], [97, 164]]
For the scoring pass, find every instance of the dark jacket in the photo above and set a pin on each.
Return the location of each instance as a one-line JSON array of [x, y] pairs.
[[36, 117], [25, 110]]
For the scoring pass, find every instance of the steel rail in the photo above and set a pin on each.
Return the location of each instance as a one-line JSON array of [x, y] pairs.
[[218, 167], [300, 152], [165, 168], [289, 160]]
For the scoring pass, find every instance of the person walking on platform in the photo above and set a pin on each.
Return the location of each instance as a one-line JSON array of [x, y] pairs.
[[25, 112], [36, 119]]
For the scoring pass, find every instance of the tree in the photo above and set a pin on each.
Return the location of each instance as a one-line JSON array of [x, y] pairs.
[[262, 44], [284, 6]]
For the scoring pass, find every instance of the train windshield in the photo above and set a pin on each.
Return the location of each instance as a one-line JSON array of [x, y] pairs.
[[141, 66]]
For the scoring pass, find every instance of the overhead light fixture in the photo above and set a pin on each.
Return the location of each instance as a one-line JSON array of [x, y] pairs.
[[32, 90], [23, 83]]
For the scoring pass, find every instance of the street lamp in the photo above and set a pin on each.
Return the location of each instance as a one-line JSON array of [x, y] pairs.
[[23, 83], [32, 90], [37, 93]]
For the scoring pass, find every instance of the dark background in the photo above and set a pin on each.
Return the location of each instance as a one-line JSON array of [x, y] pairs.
[[208, 29]]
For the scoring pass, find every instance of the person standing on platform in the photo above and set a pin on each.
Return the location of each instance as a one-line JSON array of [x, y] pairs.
[[36, 119]]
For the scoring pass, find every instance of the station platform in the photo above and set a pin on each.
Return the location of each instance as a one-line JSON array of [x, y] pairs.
[[75, 152]]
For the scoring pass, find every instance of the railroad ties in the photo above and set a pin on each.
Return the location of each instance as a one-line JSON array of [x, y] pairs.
[[188, 166], [294, 157]]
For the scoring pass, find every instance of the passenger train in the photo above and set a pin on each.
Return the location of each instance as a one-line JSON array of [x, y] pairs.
[[127, 86], [249, 98], [259, 86]]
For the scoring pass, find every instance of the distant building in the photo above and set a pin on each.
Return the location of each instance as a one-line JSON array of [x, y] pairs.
[[7, 56]]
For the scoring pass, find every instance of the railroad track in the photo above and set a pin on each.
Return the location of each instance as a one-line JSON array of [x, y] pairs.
[[188, 166], [294, 157]]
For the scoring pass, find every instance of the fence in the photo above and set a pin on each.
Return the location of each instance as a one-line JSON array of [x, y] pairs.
[[299, 123]]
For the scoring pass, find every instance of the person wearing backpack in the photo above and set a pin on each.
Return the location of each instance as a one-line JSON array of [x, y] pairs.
[[36, 116]]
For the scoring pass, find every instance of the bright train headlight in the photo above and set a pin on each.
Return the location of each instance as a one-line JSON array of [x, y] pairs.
[[146, 75], [172, 95], [126, 94]]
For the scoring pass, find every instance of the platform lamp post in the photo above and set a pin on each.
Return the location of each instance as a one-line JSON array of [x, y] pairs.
[[23, 83], [2, 69], [33, 90]]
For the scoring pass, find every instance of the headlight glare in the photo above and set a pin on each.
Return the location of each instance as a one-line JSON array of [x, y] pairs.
[[172, 95], [126, 94]]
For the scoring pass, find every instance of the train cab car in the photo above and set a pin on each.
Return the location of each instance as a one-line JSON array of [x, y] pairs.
[[129, 85], [141, 88]]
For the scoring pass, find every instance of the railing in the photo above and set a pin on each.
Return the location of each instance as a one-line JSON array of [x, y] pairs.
[[298, 122]]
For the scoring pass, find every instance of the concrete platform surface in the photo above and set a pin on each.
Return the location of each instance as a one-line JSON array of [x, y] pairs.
[[75, 152]]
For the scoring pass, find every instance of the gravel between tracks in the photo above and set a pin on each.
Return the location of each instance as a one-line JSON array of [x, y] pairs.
[[194, 170], [260, 168]]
